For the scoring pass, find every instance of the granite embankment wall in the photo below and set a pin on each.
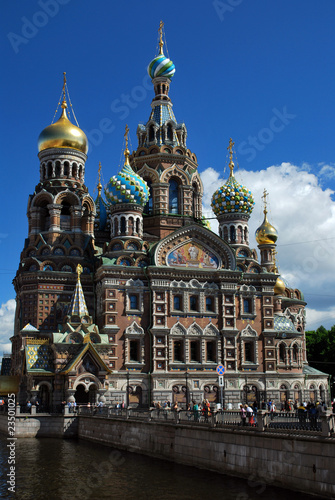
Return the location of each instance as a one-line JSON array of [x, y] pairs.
[[289, 460], [40, 425], [299, 463]]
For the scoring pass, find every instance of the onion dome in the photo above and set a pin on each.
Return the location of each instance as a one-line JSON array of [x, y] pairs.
[[161, 65], [63, 134], [266, 234], [279, 288], [232, 197], [127, 186]]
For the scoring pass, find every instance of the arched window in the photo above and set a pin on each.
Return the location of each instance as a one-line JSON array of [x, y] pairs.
[[148, 209], [169, 132], [295, 353], [65, 217], [195, 201], [282, 353], [123, 225], [173, 197], [232, 234], [151, 133]]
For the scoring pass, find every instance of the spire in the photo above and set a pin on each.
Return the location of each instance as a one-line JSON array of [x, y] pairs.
[[231, 163], [161, 43], [126, 151], [78, 305]]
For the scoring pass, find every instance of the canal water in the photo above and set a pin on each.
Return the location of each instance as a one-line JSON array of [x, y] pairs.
[[56, 469]]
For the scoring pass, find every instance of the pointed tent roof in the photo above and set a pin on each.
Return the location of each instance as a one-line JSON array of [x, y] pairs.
[[78, 305]]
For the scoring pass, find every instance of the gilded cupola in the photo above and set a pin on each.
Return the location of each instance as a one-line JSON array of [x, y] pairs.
[[63, 133], [266, 234]]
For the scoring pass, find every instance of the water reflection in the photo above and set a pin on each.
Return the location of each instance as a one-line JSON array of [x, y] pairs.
[[55, 469]]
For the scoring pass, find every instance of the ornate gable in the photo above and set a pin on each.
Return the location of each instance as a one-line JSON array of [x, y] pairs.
[[194, 247]]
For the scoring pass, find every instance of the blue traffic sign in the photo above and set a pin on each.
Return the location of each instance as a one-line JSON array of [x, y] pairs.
[[220, 369]]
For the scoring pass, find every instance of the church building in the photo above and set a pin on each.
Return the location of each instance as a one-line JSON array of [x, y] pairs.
[[132, 298]]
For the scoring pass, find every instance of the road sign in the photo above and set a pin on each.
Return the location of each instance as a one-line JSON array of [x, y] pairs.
[[220, 369], [221, 382]]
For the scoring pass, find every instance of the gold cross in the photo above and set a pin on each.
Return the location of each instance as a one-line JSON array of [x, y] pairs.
[[161, 43], [126, 136], [64, 83], [265, 194], [79, 271], [230, 149], [99, 183]]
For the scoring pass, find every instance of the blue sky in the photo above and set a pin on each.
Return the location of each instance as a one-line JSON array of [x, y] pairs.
[[257, 71]]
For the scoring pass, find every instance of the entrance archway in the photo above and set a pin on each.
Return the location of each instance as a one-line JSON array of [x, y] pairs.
[[81, 395], [44, 398]]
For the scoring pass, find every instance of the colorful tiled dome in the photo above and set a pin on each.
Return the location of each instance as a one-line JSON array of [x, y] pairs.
[[127, 187], [161, 66], [232, 198]]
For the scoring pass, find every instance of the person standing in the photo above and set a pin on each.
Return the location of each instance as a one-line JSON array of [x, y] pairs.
[[243, 414]]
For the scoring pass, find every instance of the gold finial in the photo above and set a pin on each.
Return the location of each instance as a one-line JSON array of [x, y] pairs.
[[231, 163], [265, 194], [126, 151], [79, 271], [64, 105], [161, 43], [99, 183]]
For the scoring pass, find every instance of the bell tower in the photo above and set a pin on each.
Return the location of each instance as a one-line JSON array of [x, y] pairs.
[[163, 159]]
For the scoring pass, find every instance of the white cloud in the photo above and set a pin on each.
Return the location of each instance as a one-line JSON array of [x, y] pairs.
[[7, 312], [317, 318], [327, 171], [304, 215]]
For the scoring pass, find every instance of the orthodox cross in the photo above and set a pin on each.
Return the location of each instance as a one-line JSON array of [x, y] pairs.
[[99, 183], [161, 43], [265, 194], [230, 149], [79, 271]]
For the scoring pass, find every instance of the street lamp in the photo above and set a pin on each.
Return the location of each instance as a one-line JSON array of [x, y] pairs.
[[186, 376], [127, 388]]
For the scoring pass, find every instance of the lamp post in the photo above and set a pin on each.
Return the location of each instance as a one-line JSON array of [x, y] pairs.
[[127, 388], [186, 376]]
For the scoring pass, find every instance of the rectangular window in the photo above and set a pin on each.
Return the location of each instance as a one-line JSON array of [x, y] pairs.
[[210, 351], [133, 301], [177, 303], [177, 350], [209, 304], [247, 306], [133, 350], [194, 351], [193, 303], [248, 352]]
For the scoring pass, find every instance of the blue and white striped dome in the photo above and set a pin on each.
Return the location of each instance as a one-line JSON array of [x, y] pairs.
[[161, 66], [127, 187]]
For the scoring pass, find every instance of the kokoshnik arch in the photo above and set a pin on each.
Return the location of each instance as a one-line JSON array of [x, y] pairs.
[[132, 297]]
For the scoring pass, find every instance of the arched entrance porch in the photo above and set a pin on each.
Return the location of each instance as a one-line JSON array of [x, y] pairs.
[[84, 395]]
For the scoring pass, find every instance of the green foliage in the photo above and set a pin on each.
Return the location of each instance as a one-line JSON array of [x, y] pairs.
[[320, 346]]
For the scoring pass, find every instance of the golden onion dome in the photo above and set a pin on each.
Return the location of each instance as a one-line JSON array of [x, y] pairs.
[[279, 288], [266, 234], [63, 134]]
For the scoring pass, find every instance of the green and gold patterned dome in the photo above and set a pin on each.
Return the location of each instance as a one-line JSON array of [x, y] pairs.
[[232, 197]]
